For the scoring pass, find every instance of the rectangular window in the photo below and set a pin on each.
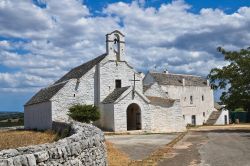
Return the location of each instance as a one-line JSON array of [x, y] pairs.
[[118, 83], [191, 99], [193, 119], [204, 114], [202, 97]]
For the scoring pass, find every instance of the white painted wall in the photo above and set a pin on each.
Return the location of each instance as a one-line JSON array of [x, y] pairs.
[[198, 107], [106, 121], [38, 116], [221, 119], [112, 70], [69, 95], [155, 90], [168, 117]]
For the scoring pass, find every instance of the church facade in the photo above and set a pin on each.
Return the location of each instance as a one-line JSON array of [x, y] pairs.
[[127, 100]]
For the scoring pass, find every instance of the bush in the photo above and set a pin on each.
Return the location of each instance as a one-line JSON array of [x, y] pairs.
[[239, 110], [84, 113]]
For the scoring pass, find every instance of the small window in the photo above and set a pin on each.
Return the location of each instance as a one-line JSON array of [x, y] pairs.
[[118, 83], [74, 95], [183, 117], [204, 114], [191, 99], [202, 98], [77, 85]]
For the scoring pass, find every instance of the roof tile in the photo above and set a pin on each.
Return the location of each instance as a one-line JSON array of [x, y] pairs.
[[177, 79], [113, 96]]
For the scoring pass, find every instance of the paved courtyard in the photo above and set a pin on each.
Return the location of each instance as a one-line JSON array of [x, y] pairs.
[[138, 147], [203, 146], [211, 148]]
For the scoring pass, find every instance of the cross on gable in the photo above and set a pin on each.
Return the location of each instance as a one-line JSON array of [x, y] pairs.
[[133, 92]]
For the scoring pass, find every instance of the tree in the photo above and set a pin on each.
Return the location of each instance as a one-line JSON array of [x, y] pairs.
[[84, 113], [233, 78]]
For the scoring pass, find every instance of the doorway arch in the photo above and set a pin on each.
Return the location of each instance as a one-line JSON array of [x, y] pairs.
[[133, 117]]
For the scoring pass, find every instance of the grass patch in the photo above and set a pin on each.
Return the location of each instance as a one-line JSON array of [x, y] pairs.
[[116, 157], [19, 138]]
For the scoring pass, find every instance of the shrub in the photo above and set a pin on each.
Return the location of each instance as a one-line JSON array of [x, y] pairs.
[[84, 113], [239, 110]]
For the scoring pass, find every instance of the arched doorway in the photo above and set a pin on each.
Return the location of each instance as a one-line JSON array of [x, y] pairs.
[[133, 117]]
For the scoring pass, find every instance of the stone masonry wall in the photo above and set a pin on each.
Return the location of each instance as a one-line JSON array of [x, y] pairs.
[[84, 147]]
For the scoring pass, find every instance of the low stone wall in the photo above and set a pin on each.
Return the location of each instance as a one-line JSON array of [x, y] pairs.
[[84, 147]]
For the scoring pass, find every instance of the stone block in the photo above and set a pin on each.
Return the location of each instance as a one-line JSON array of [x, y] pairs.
[[41, 156], [3, 162], [31, 159], [9, 152]]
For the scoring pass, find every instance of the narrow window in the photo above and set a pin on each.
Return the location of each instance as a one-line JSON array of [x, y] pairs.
[[118, 83], [183, 116], [202, 97], [77, 85], [74, 95], [204, 114], [191, 99]]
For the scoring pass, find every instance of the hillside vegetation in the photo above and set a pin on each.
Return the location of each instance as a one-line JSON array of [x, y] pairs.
[[8, 119]]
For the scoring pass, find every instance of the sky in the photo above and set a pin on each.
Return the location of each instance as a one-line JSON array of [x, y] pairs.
[[40, 40]]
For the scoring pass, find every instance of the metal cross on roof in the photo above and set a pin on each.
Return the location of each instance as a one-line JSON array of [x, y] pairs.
[[133, 92]]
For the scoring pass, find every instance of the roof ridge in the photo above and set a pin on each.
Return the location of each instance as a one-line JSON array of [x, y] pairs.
[[52, 85], [176, 74]]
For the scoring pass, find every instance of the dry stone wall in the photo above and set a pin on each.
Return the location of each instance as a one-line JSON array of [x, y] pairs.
[[85, 146]]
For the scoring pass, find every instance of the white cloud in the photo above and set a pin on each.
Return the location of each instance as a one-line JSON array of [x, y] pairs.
[[66, 34]]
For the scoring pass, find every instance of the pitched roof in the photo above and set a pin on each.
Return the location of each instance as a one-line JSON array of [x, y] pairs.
[[177, 79], [45, 94], [79, 71], [146, 87], [160, 100], [113, 96]]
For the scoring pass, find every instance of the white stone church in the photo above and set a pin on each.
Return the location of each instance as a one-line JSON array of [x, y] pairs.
[[127, 100]]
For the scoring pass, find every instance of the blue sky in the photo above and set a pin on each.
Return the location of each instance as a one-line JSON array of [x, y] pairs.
[[180, 35]]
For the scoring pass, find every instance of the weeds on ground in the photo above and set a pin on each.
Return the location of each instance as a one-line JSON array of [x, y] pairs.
[[20, 138], [116, 157]]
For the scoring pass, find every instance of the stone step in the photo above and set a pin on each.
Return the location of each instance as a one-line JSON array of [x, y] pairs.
[[213, 117]]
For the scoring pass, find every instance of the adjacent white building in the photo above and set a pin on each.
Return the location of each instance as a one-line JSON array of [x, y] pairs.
[[194, 92], [126, 100]]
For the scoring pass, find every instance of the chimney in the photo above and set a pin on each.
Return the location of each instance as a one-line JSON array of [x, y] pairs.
[[142, 74], [165, 71], [183, 81]]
